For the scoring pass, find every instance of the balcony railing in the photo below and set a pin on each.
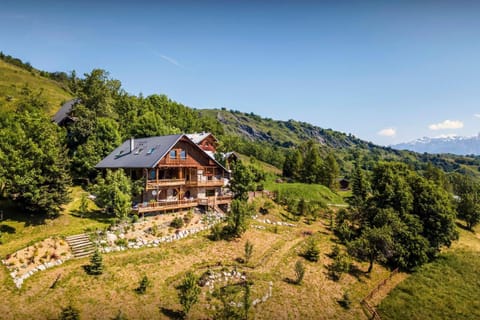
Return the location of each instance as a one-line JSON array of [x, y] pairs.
[[153, 184], [179, 204], [166, 205]]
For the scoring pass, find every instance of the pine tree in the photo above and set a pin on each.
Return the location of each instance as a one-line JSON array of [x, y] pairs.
[[299, 272], [96, 264], [311, 253], [188, 292]]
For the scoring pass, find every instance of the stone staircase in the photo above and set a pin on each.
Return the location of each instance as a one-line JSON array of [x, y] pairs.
[[81, 245]]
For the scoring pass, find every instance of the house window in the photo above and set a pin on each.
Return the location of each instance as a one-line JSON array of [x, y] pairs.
[[183, 154], [173, 154], [152, 175], [150, 151], [210, 192]]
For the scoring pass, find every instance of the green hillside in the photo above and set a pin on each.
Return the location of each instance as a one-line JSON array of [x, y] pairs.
[[14, 78]]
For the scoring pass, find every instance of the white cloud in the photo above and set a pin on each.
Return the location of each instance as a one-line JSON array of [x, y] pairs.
[[477, 115], [447, 124], [171, 60], [387, 132]]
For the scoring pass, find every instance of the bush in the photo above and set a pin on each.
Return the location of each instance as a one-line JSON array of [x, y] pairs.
[[188, 217], [345, 301], [299, 272], [341, 264], [177, 223], [248, 251], [143, 285], [216, 232], [135, 218], [311, 252], [121, 242], [69, 313]]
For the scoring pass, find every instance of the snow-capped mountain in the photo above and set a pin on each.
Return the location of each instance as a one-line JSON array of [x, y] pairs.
[[456, 145]]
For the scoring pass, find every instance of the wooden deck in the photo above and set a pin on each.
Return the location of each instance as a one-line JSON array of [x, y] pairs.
[[182, 204]]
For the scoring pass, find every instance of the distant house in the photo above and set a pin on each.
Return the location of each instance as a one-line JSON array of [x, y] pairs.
[[63, 117], [206, 141], [177, 172], [230, 158]]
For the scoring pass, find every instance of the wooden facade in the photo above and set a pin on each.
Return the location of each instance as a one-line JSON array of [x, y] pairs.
[[185, 177]]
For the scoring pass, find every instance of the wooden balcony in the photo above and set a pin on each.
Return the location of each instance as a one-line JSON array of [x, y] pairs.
[[154, 184], [166, 205], [182, 204], [206, 183]]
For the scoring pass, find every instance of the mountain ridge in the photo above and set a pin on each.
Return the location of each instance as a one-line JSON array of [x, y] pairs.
[[459, 145]]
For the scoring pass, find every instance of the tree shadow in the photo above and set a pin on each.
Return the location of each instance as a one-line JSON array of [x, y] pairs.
[[7, 229], [172, 314], [358, 273], [464, 227], [15, 212], [289, 280], [97, 215]]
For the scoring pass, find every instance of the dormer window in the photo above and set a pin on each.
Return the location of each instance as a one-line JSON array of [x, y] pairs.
[[150, 151], [173, 154]]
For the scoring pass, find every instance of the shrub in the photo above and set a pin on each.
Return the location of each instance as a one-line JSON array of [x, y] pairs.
[[345, 301], [143, 285], [135, 218], [299, 272], [96, 264], [121, 242], [177, 223], [248, 251], [188, 217], [341, 264], [69, 313], [188, 292], [311, 252], [216, 232]]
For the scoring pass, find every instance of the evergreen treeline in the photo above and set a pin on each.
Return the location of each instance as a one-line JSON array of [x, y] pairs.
[[305, 164]]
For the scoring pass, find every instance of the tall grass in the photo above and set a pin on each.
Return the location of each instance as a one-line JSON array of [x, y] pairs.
[[310, 192], [13, 79], [448, 288]]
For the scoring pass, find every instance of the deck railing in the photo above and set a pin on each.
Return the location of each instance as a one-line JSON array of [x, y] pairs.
[[179, 204], [153, 184]]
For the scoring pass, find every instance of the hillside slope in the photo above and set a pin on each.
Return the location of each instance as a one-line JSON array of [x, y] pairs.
[[13, 79]]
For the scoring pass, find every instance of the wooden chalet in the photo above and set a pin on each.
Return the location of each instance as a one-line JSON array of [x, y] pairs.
[[177, 173]]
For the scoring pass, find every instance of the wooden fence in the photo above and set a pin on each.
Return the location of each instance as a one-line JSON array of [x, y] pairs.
[[371, 309]]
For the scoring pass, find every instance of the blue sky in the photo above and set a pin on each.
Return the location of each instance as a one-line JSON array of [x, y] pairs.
[[385, 71]]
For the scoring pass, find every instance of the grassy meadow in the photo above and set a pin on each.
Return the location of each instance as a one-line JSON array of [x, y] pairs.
[[276, 250], [447, 288], [14, 79]]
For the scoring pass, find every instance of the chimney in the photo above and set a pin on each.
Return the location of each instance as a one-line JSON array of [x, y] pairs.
[[132, 144]]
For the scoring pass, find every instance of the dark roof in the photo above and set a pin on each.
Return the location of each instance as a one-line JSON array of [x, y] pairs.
[[65, 110], [146, 153]]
